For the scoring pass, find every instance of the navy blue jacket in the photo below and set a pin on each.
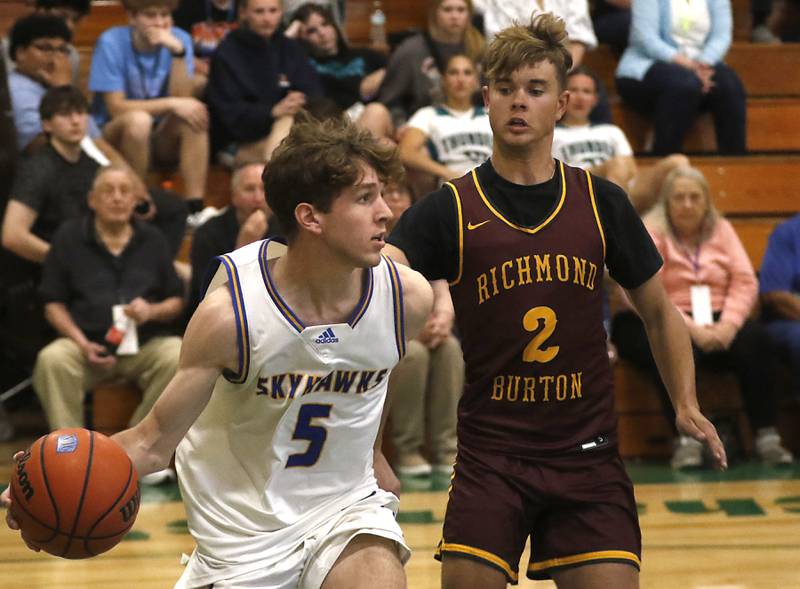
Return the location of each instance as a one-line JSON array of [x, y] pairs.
[[248, 76]]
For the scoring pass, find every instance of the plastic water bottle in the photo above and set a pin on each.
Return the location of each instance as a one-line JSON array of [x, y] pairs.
[[377, 28]]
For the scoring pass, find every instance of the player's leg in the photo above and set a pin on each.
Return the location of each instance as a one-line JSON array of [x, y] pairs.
[[488, 519], [464, 573], [130, 133], [587, 537], [362, 547], [367, 562], [598, 576]]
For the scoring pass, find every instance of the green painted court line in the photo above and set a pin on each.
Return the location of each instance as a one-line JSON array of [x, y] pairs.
[[647, 473]]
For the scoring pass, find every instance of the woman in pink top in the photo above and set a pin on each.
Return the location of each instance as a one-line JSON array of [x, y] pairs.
[[709, 278]]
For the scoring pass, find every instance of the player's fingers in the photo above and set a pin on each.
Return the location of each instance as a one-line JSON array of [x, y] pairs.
[[12, 523], [715, 446], [18, 455]]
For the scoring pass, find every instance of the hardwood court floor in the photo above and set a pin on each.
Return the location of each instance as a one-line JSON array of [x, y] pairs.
[[740, 530]]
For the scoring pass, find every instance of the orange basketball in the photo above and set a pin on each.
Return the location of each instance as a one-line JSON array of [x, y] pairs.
[[75, 493]]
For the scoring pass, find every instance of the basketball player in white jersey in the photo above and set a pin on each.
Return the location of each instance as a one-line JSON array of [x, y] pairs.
[[277, 403]]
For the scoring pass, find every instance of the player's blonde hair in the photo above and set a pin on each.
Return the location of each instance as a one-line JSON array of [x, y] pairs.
[[544, 38]]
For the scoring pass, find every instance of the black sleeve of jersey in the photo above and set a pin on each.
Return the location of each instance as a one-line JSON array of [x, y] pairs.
[[428, 235], [631, 255]]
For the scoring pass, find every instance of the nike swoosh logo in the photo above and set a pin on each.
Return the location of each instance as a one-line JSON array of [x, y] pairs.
[[470, 226]]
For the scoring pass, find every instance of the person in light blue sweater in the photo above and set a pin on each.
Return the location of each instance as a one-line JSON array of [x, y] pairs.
[[673, 69]]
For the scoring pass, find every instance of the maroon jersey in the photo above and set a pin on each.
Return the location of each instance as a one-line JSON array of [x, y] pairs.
[[529, 303]]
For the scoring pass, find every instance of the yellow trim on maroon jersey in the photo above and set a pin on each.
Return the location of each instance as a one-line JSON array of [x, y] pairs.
[[492, 559], [607, 555], [596, 214], [460, 215], [530, 230], [242, 333]]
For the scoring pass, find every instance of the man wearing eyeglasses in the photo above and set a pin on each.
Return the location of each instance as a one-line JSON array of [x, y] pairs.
[[39, 46]]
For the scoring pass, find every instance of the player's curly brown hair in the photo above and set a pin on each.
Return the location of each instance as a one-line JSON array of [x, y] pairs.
[[317, 160], [545, 37]]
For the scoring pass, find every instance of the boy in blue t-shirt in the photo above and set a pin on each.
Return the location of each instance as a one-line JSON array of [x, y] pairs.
[[142, 79]]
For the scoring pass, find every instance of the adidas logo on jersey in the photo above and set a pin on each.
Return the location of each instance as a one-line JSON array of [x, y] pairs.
[[327, 337]]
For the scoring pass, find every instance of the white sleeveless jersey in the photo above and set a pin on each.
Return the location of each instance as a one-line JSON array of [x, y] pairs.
[[460, 140], [287, 440]]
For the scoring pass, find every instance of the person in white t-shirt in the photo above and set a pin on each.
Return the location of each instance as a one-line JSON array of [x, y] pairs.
[[451, 138], [603, 149]]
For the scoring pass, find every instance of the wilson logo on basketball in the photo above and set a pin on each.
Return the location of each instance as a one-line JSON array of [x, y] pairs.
[[129, 510], [22, 477]]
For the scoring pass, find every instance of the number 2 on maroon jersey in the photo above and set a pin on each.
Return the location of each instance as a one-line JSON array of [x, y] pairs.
[[533, 351]]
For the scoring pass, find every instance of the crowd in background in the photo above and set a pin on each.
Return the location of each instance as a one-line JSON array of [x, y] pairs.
[[90, 242]]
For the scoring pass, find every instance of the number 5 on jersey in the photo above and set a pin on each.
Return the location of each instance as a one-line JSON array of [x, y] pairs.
[[306, 430], [534, 352]]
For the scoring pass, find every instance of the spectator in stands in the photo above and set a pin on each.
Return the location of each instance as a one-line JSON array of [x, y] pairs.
[[612, 22], [426, 386], [141, 75], [449, 139], [95, 263], [207, 21], [246, 220], [259, 80], [603, 148], [499, 14], [72, 12], [709, 278], [780, 293], [413, 76], [52, 184], [334, 7], [350, 76], [673, 69]]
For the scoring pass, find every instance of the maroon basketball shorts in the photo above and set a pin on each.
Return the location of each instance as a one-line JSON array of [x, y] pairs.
[[577, 510]]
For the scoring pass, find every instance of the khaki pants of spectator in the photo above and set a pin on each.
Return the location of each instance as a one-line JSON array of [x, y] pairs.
[[427, 384], [62, 376]]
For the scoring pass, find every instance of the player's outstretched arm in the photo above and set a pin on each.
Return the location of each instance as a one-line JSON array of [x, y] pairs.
[[209, 346], [672, 350]]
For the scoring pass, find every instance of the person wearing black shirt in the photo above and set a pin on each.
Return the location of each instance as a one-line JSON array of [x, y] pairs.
[[96, 262], [246, 220], [524, 241]]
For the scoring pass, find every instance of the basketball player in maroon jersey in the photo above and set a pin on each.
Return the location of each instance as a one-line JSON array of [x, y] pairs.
[[524, 241]]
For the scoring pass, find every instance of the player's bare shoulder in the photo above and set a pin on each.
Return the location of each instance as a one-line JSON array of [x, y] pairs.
[[211, 336], [417, 297]]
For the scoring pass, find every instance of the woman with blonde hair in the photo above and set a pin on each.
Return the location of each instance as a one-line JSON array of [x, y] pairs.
[[413, 76], [708, 276]]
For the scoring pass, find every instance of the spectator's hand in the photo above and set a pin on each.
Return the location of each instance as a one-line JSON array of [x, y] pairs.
[[684, 61], [613, 355], [437, 329], [192, 111], [294, 30], [384, 474], [98, 356], [724, 333], [691, 422], [163, 37], [5, 501], [289, 105], [368, 89], [703, 337], [253, 229], [706, 75], [139, 310]]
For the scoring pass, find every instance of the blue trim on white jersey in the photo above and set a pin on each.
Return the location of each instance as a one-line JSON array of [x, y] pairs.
[[242, 332], [399, 312]]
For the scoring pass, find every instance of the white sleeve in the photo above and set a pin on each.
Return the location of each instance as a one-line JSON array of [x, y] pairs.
[[423, 120], [622, 147], [579, 24]]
